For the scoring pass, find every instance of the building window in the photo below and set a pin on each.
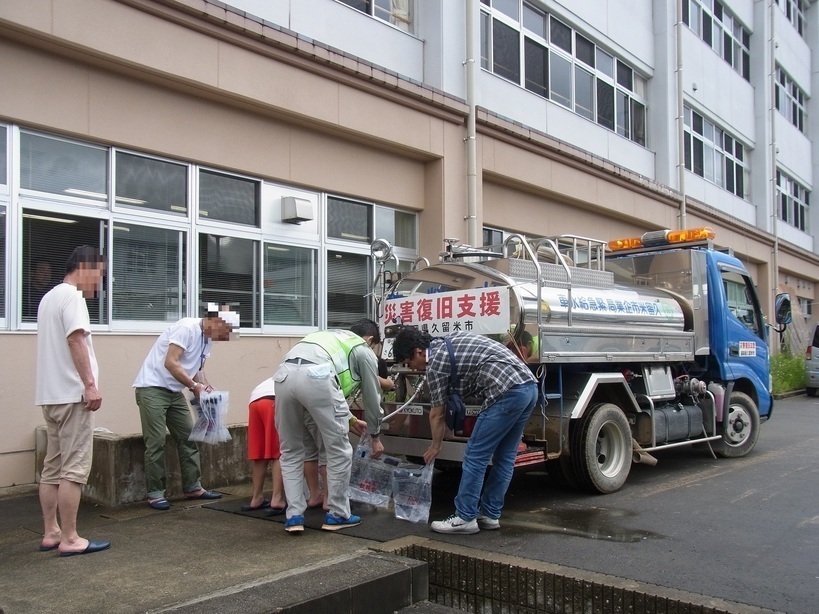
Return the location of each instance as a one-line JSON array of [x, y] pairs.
[[148, 278], [62, 167], [795, 12], [349, 220], [562, 65], [48, 239], [229, 275], [793, 199], [290, 285], [348, 287], [151, 183], [805, 306], [397, 227], [790, 100], [714, 154], [399, 13], [3, 156], [2, 262], [228, 198], [720, 30]]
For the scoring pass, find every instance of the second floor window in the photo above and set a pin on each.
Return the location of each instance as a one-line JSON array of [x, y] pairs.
[[790, 100], [795, 12], [793, 200], [536, 50], [395, 12], [721, 31], [714, 154]]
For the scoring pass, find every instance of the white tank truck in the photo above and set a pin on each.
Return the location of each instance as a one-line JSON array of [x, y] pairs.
[[638, 345]]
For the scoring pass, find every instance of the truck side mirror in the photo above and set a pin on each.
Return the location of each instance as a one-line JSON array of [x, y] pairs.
[[783, 309]]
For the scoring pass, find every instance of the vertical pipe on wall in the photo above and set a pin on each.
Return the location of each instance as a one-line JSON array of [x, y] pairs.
[[772, 120], [472, 55], [680, 115]]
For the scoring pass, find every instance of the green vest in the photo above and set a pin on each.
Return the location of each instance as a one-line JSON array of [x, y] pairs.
[[338, 344]]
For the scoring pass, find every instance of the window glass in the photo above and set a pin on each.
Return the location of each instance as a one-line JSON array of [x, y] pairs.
[[535, 21], [605, 104], [151, 183], [229, 275], [2, 262], [505, 51], [638, 123], [48, 239], [348, 279], [228, 198], [537, 67], [494, 238], [584, 49], [605, 63], [560, 70], [507, 7], [560, 35], [584, 93], [624, 75], [63, 167], [348, 220], [485, 39], [742, 301], [623, 126], [397, 227], [148, 267], [3, 156], [290, 281]]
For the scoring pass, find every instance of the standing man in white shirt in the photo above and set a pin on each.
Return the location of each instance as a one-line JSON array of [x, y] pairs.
[[66, 389], [175, 363]]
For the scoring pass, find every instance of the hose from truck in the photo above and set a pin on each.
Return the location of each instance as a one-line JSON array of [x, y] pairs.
[[419, 384]]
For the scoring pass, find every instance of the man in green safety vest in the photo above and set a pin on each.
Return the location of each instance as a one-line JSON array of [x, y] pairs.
[[315, 379]]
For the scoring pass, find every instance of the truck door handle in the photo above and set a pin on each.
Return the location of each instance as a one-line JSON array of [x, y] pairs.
[[733, 349]]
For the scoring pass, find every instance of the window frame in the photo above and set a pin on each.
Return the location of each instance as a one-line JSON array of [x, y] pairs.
[[790, 100], [794, 198], [719, 152]]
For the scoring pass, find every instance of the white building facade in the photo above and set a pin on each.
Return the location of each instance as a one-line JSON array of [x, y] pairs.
[[248, 152]]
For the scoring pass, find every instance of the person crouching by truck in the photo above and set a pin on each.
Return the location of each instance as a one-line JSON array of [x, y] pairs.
[[490, 370]]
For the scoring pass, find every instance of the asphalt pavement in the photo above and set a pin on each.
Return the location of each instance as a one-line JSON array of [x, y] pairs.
[[742, 530]]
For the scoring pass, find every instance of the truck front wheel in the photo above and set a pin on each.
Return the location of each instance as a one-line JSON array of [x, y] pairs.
[[741, 429], [601, 449]]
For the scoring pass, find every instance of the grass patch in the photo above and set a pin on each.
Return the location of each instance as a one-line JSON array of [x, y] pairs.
[[788, 372]]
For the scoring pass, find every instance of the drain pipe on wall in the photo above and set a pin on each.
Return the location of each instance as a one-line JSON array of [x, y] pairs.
[[471, 64], [680, 115], [772, 117]]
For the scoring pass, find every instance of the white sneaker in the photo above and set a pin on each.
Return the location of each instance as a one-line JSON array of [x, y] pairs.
[[455, 524], [487, 523]]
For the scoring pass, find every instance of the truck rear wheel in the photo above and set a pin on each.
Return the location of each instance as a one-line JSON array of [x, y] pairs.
[[601, 449], [741, 430]]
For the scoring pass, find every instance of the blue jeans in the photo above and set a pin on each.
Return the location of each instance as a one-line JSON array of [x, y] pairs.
[[496, 436]]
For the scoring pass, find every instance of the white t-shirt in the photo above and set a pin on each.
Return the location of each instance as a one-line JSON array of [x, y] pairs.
[[62, 311], [266, 389], [186, 333]]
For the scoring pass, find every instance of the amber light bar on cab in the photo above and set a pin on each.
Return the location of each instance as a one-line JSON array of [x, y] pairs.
[[656, 238]]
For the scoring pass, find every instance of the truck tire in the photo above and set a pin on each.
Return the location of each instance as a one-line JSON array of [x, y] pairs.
[[741, 430], [811, 392], [601, 449]]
